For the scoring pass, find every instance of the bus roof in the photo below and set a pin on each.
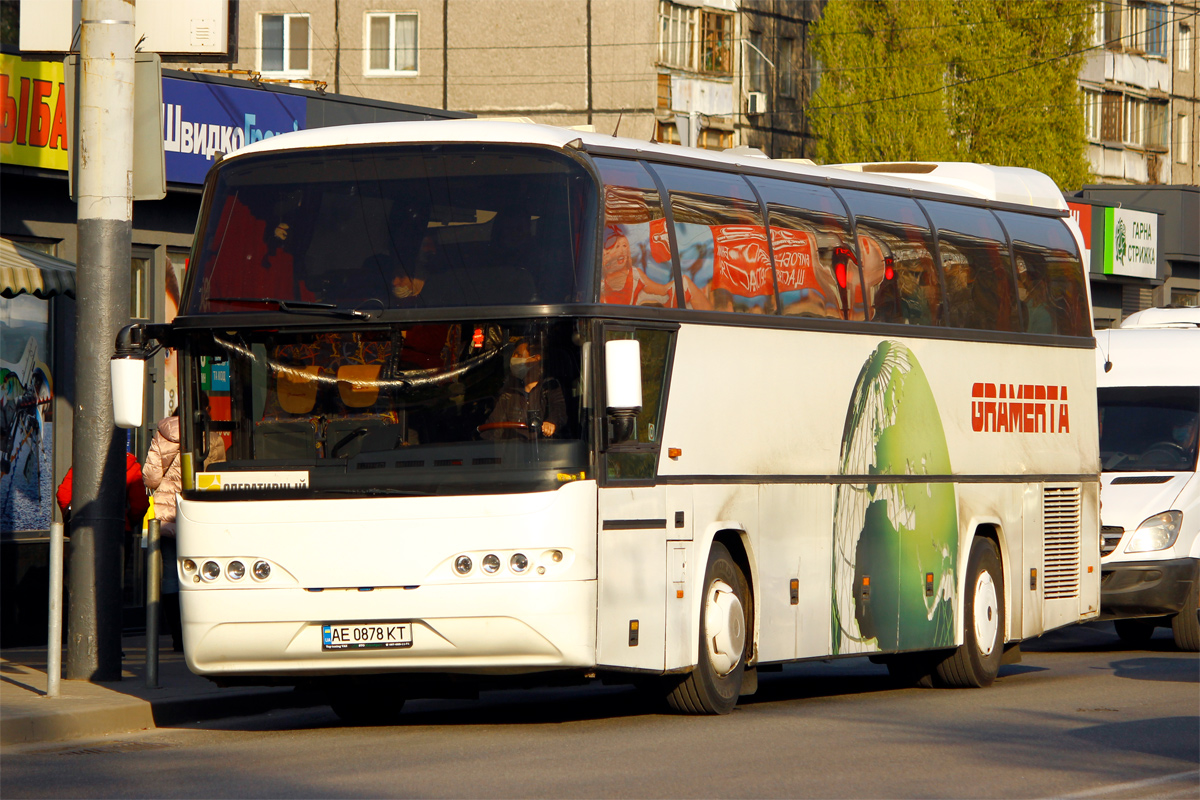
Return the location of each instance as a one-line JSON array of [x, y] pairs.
[[1002, 184]]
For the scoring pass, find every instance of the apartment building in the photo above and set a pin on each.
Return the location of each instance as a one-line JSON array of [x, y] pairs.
[[671, 70], [1140, 92]]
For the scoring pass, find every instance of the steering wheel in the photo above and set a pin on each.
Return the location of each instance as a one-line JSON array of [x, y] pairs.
[[1170, 448], [512, 426]]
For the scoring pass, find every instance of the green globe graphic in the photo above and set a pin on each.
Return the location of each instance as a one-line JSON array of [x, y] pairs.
[[890, 537]]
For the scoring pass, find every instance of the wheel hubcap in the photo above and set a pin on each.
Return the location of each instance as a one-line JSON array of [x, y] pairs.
[[724, 627], [987, 613]]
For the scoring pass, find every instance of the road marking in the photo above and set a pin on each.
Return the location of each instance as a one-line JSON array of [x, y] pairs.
[[1118, 788]]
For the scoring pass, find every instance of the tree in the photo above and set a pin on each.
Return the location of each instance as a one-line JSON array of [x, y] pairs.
[[954, 80]]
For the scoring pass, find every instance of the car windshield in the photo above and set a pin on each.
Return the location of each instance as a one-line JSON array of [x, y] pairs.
[[1149, 429], [383, 227], [428, 408]]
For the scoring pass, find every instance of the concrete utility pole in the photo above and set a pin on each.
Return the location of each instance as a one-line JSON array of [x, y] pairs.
[[105, 226]]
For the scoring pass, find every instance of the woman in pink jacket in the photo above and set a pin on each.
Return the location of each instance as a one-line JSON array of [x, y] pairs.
[[163, 474]]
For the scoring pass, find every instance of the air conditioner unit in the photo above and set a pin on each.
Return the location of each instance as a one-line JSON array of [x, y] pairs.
[[756, 102]]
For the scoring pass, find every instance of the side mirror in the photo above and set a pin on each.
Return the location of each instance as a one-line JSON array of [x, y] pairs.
[[623, 386], [129, 391], [136, 344]]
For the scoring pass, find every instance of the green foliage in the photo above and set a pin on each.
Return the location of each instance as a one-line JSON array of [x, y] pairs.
[[988, 81]]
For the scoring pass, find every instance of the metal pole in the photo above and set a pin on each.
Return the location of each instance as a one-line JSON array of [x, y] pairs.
[[54, 635], [153, 606], [105, 214]]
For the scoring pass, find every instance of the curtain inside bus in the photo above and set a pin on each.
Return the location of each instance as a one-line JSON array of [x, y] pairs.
[[382, 227]]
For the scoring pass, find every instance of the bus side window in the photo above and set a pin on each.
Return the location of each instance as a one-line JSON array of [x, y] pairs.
[[980, 293], [722, 242], [808, 225], [637, 268], [907, 289], [1049, 275]]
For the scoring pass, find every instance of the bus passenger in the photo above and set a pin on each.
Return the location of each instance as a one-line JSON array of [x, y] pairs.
[[529, 405]]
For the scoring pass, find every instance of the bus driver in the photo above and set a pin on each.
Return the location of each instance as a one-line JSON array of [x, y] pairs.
[[529, 404]]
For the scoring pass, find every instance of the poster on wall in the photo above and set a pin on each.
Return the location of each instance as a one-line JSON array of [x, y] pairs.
[[26, 415]]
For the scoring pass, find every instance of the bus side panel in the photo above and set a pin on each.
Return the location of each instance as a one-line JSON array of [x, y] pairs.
[[792, 543]]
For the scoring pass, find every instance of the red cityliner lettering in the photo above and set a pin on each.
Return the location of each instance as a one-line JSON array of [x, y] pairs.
[[1019, 408]]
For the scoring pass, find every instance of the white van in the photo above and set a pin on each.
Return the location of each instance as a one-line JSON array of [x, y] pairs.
[[1148, 386]]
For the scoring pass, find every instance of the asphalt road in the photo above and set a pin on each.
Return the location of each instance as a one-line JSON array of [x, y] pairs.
[[1082, 716]]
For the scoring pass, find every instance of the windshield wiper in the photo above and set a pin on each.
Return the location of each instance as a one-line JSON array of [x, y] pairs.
[[297, 306]]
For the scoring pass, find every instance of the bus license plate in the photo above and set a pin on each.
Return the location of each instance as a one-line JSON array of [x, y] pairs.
[[376, 636]]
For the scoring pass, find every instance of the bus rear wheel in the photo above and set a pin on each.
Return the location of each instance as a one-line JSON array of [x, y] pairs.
[[977, 662], [714, 685]]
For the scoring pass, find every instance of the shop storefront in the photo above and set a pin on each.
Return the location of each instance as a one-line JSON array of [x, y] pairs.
[[1144, 247]]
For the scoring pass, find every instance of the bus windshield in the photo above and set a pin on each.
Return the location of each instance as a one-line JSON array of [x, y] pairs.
[[383, 227], [1149, 428], [430, 408]]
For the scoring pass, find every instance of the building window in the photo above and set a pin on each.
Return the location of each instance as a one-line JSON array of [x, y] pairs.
[[1091, 113], [1185, 298], [784, 63], [1132, 132], [717, 42], [1110, 117], [664, 90], [712, 139], [1154, 42], [666, 132], [677, 32], [756, 65], [1156, 132], [1113, 17], [391, 44], [1183, 48], [1183, 139], [284, 39]]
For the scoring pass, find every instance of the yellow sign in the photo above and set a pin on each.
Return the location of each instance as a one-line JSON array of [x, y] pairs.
[[209, 481], [34, 100]]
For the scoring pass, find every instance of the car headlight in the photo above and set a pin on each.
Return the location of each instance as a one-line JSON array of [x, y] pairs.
[[1156, 533]]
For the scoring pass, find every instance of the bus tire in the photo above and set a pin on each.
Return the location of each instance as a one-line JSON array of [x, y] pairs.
[[977, 662], [714, 685], [1185, 625], [1134, 631]]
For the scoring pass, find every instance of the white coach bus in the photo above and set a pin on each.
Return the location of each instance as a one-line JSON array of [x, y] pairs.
[[504, 402]]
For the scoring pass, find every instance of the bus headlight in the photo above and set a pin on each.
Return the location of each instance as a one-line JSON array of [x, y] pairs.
[[236, 570], [262, 570], [189, 566], [518, 563], [1156, 533], [491, 563], [462, 565], [210, 571]]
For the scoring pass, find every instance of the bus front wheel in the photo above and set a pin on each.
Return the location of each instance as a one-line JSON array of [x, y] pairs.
[[977, 662], [714, 685]]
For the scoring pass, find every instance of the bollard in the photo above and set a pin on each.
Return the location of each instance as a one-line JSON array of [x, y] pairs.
[[153, 588], [54, 635]]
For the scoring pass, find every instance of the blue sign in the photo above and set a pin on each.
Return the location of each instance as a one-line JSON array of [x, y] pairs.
[[201, 119]]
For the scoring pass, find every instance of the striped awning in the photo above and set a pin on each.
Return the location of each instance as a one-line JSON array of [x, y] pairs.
[[26, 271]]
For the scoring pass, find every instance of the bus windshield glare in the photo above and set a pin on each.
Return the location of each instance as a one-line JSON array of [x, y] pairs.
[[432, 408], [395, 227]]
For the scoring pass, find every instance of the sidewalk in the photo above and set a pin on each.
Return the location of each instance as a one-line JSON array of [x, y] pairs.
[[86, 710]]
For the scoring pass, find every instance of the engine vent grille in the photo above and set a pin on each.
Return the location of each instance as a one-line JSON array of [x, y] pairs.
[[1061, 517], [1110, 537]]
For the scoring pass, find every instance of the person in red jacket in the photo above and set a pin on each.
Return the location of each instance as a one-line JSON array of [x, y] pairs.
[[136, 501]]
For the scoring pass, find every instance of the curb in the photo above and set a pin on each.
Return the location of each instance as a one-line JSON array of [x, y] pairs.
[[128, 714]]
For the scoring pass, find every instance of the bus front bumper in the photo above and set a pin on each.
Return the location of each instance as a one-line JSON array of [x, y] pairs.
[[466, 628]]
